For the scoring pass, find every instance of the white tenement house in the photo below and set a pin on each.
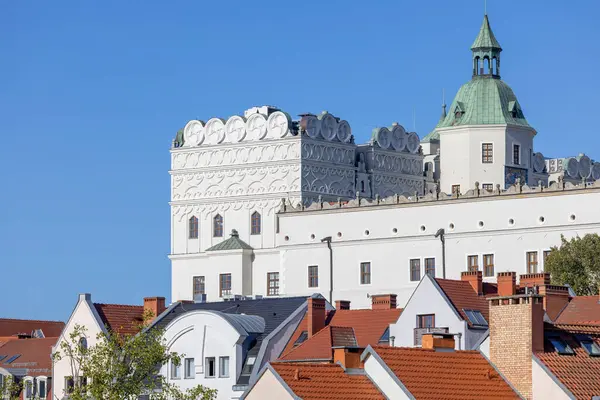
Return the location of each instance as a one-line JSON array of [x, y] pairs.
[[267, 205]]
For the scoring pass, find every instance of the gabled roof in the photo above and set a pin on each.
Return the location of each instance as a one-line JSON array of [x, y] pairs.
[[463, 297], [486, 39], [450, 375], [11, 327], [326, 382], [120, 318], [579, 372], [35, 356], [233, 243], [584, 310], [320, 346]]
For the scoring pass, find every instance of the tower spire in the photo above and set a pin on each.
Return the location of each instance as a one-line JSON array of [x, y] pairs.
[[443, 104], [486, 51]]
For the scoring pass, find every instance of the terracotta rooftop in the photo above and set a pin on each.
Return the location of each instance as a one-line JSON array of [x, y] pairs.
[[320, 346], [121, 318], [579, 372], [35, 356], [582, 310], [463, 297], [454, 375], [326, 382], [11, 327]]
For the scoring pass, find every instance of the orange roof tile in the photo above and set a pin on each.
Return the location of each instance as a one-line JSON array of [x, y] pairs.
[[35, 355], [580, 372], [584, 310], [10, 327], [121, 318], [319, 347], [462, 296], [454, 375], [326, 382]]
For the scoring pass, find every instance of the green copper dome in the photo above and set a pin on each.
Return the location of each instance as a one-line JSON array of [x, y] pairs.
[[486, 38]]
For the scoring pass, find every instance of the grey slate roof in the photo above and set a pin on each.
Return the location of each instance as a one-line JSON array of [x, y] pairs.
[[233, 243]]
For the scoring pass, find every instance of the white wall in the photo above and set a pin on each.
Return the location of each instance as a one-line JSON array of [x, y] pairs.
[[382, 379], [544, 387], [268, 387]]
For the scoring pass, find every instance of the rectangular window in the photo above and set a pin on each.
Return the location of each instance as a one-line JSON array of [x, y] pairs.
[[69, 384], [532, 262], [175, 371], [209, 372], [487, 153], [472, 263], [272, 283], [224, 285], [255, 223], [199, 287], [365, 273], [190, 368], [426, 321], [223, 367], [193, 227], [28, 389], [415, 269], [516, 154], [488, 264], [455, 189], [42, 389], [430, 267], [546, 254], [247, 370], [313, 276], [488, 187]]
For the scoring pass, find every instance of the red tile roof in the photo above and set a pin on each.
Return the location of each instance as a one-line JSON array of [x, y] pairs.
[[584, 310], [319, 347], [35, 355], [11, 327], [580, 372], [121, 318], [326, 382], [454, 375], [462, 296]]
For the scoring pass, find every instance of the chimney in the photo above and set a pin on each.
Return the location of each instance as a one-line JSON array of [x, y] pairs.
[[342, 304], [507, 283], [475, 279], [555, 300], [516, 331], [530, 280], [348, 357], [383, 301], [316, 315], [438, 341], [154, 304]]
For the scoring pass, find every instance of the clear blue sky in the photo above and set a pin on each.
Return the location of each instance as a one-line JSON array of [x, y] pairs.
[[92, 93]]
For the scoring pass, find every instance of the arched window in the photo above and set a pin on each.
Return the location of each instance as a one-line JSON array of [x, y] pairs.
[[476, 65], [218, 226], [487, 66], [193, 227], [83, 345], [495, 66], [255, 223], [362, 186]]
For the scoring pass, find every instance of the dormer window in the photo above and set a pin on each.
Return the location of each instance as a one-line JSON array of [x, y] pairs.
[[589, 345], [475, 317], [459, 110], [560, 345]]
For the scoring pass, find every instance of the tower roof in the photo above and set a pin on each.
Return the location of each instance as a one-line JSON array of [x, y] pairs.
[[486, 38]]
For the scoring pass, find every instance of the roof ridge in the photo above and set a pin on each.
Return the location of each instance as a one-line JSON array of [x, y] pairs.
[[31, 320], [117, 305], [325, 328]]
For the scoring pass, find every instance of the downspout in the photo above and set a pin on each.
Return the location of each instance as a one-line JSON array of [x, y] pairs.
[[328, 241]]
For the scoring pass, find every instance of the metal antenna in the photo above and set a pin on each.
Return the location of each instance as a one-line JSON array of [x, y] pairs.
[[414, 119], [485, 7]]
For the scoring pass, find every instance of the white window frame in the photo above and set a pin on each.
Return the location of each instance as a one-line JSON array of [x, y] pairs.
[[481, 152], [30, 380], [360, 263], [421, 265], [175, 371], [189, 373], [308, 276], [207, 369], [512, 153], [221, 360], [41, 379]]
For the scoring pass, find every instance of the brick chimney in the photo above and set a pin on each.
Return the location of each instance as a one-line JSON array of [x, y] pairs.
[[154, 304], [348, 357], [507, 283], [316, 315], [383, 301], [516, 331], [438, 341], [342, 304], [530, 280], [556, 299], [475, 278]]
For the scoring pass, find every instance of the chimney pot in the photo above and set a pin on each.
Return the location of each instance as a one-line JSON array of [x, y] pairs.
[[316, 315], [383, 301], [435, 341], [342, 304], [475, 278], [348, 357], [154, 304], [530, 280], [507, 283]]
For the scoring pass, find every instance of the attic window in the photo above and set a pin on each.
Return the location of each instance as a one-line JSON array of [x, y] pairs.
[[560, 345], [589, 345], [475, 317], [248, 366], [385, 338], [301, 339]]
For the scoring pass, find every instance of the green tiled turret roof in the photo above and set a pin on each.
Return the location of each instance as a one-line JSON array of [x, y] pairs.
[[233, 243], [486, 38]]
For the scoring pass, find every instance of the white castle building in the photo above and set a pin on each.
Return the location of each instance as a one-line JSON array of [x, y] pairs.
[[311, 211]]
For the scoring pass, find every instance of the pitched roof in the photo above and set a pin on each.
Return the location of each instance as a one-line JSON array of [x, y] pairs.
[[233, 243], [326, 382], [11, 327], [320, 346], [584, 310], [579, 372], [463, 297], [120, 318], [486, 38], [426, 374], [35, 356]]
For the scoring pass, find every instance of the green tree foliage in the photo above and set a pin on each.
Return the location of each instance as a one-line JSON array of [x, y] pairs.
[[11, 388], [122, 367], [576, 263]]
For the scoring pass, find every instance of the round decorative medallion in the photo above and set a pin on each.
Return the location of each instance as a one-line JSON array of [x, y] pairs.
[[383, 137], [256, 126], [539, 162], [343, 131], [413, 142], [398, 137], [572, 167], [193, 133], [235, 128], [328, 126], [278, 125], [215, 131]]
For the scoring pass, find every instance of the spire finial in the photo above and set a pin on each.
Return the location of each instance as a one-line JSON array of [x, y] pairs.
[[484, 7], [443, 103]]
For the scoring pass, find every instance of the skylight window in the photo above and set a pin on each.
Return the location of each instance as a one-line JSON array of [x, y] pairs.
[[301, 339], [560, 345], [475, 317], [13, 358], [248, 366], [2, 357], [589, 345], [385, 338]]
